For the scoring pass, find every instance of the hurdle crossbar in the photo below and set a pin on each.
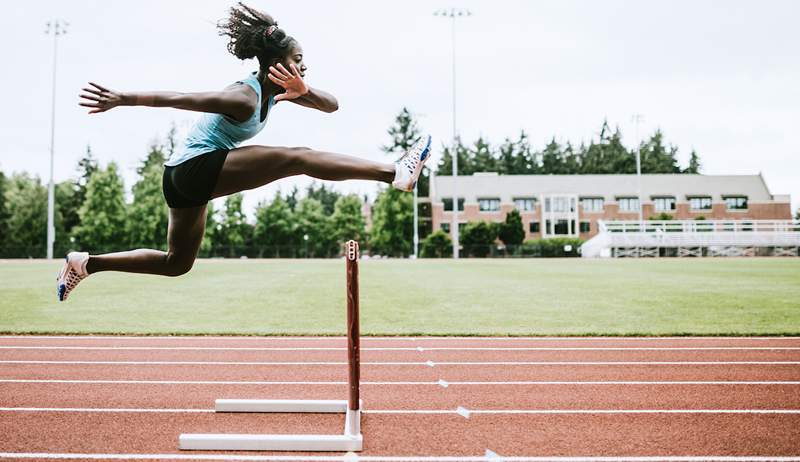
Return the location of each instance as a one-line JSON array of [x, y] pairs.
[[350, 440]]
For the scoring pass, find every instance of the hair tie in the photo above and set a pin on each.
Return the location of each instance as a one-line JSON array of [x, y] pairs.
[[270, 30]]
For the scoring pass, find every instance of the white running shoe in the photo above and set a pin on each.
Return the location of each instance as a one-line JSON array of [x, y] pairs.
[[408, 168], [73, 272]]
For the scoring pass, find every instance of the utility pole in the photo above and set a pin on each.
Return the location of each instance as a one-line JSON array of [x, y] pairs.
[[638, 118], [57, 28], [454, 13]]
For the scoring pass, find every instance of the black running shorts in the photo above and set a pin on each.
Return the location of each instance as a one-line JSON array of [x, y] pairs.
[[191, 183]]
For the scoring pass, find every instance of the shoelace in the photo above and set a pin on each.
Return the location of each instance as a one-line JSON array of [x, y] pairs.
[[73, 279], [412, 159]]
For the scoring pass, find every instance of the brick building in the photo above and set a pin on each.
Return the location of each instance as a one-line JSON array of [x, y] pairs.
[[570, 205]]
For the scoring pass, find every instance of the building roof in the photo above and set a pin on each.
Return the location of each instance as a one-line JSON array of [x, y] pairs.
[[609, 187]]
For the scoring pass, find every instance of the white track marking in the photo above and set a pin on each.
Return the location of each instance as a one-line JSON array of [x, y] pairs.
[[347, 458], [440, 383], [405, 363], [462, 411], [65, 347], [369, 338]]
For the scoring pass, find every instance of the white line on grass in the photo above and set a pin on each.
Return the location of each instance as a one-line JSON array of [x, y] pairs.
[[438, 383], [405, 363], [354, 457], [64, 347]]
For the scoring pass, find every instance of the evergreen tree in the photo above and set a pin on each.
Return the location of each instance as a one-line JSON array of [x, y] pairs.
[[553, 159], [326, 196], [437, 245], [148, 215], [348, 221], [481, 158], [517, 157], [312, 221], [210, 233], [392, 224], [404, 133], [87, 166], [694, 163], [26, 224], [67, 205], [275, 228], [292, 199], [103, 213], [608, 155], [657, 158], [512, 231], [445, 165]]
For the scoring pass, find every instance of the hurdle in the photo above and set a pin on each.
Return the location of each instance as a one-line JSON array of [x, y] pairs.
[[350, 440]]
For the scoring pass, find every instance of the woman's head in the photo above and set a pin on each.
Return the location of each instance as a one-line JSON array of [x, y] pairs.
[[254, 34]]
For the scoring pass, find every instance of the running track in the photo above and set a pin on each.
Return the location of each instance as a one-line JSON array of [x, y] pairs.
[[435, 399]]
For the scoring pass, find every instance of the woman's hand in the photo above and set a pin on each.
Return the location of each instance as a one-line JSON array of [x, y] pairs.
[[292, 81], [101, 98]]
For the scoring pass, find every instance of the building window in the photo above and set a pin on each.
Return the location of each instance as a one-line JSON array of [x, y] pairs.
[[736, 202], [664, 204], [700, 203], [560, 227], [489, 205], [445, 227], [524, 204], [448, 204], [586, 227], [592, 204], [559, 204], [534, 227], [628, 204]]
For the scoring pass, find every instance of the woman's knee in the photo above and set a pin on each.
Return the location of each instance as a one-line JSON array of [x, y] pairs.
[[178, 265]]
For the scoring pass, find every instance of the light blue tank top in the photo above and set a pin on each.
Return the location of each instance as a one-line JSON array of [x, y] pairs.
[[216, 131]]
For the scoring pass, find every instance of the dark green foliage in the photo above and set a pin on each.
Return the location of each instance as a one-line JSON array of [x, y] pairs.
[[233, 231], [392, 224], [275, 228], [104, 213], [478, 238], [663, 216], [3, 209], [348, 221], [26, 225], [552, 247], [325, 195], [694, 163], [148, 215], [437, 245], [312, 221], [512, 231]]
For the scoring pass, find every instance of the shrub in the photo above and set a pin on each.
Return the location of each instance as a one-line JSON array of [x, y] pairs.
[[437, 245], [478, 238], [553, 247], [511, 232]]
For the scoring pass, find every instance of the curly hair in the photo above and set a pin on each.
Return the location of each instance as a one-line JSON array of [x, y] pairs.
[[254, 34]]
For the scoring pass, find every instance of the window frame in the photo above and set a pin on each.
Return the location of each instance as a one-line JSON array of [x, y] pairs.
[[594, 200], [620, 200], [532, 200], [700, 198], [657, 199], [736, 209], [491, 200]]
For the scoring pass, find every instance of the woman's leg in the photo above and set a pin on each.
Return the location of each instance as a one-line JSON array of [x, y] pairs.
[[184, 235], [252, 166]]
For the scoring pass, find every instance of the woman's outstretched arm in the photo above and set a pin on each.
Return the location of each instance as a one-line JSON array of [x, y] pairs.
[[237, 103], [298, 92]]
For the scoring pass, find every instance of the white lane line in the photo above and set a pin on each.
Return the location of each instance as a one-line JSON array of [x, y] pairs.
[[440, 383], [346, 458], [407, 363], [369, 338], [462, 411], [65, 347]]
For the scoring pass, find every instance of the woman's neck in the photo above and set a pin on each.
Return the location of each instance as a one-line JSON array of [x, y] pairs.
[[268, 87]]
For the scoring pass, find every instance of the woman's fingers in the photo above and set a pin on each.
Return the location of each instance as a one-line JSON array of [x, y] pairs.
[[92, 91], [277, 81], [99, 87], [90, 97], [274, 71], [295, 71]]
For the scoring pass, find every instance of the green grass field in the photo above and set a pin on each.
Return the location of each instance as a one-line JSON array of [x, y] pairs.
[[399, 297]]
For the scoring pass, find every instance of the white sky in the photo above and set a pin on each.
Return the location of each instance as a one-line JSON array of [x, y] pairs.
[[717, 76]]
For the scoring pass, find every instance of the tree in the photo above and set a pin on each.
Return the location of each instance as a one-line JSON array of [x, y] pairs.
[[312, 221], [103, 214], [348, 221], [210, 232], [478, 238], [26, 225], [275, 227], [694, 163], [481, 157], [437, 245], [515, 157], [512, 231], [72, 203], [445, 165], [233, 231], [608, 155], [326, 196], [657, 158], [3, 211], [148, 215], [291, 198], [392, 223]]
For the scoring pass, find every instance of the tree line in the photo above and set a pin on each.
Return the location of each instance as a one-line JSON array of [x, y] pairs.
[[92, 213]]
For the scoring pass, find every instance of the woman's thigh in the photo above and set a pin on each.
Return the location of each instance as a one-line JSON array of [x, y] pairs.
[[249, 167]]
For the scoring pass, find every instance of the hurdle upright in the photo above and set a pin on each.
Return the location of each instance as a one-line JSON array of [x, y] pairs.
[[350, 440]]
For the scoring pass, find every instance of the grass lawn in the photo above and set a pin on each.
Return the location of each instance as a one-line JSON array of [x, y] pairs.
[[727, 296]]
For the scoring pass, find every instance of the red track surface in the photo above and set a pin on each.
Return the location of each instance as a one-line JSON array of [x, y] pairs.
[[61, 378]]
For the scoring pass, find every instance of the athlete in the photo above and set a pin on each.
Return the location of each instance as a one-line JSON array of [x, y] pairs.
[[212, 164]]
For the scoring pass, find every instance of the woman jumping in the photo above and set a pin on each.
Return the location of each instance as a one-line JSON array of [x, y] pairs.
[[211, 164]]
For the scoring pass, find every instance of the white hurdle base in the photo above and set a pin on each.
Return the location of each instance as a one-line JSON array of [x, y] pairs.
[[350, 440]]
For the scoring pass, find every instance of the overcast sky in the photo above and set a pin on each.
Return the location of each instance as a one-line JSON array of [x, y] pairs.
[[721, 77]]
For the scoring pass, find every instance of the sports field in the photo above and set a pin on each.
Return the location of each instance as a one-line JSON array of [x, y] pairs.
[[403, 297]]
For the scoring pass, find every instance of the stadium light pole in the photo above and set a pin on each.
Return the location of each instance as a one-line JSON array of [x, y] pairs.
[[638, 118], [454, 13], [57, 28]]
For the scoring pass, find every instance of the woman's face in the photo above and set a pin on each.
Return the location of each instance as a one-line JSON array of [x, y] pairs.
[[295, 56]]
